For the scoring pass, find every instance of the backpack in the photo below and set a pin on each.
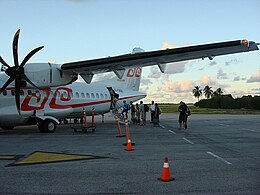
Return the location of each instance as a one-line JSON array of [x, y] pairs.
[[146, 108]]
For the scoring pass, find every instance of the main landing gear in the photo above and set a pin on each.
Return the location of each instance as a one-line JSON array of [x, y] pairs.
[[47, 126]]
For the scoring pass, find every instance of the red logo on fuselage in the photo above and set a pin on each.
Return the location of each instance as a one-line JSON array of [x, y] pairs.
[[134, 72]]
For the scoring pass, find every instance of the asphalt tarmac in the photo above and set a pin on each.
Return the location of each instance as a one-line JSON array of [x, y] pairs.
[[217, 154]]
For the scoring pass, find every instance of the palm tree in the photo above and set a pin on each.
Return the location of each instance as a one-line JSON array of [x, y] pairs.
[[197, 92], [208, 92], [218, 92]]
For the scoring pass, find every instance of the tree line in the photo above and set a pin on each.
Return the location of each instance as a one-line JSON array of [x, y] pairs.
[[217, 99]]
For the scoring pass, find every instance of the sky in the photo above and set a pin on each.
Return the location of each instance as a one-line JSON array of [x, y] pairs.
[[73, 30]]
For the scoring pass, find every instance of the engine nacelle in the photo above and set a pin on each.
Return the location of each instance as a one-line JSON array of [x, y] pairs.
[[48, 75]]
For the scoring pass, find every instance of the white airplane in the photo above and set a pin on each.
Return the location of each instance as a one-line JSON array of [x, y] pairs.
[[44, 93]]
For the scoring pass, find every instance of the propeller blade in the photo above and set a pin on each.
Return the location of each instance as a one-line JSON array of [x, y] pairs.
[[17, 94], [15, 48], [29, 55], [29, 81], [10, 80], [3, 62]]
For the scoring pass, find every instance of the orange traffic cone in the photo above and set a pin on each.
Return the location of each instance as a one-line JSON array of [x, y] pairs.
[[166, 172], [129, 145]]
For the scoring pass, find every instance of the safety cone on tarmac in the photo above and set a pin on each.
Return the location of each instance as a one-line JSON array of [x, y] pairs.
[[118, 128], [166, 172], [129, 145]]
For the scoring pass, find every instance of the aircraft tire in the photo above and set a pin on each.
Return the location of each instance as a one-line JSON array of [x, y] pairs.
[[47, 126]]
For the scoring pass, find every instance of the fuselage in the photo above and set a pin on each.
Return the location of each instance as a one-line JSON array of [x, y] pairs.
[[60, 102]]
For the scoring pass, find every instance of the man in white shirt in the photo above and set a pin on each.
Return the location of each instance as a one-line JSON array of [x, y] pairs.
[[152, 110]]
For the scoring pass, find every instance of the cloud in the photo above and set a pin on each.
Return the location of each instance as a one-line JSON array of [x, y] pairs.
[[233, 61], [212, 63], [221, 74], [177, 67], [177, 86], [236, 78], [154, 72], [146, 81], [207, 80], [103, 76], [254, 78], [166, 45]]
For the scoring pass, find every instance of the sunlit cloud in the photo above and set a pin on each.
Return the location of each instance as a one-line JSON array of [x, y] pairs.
[[254, 78], [178, 86], [207, 80]]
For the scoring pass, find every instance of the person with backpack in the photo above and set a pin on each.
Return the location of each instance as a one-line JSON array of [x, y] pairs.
[[126, 107], [184, 113]]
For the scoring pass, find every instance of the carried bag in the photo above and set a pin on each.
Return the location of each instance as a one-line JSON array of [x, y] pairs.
[[188, 112]]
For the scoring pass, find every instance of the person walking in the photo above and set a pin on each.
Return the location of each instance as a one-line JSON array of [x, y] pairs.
[[132, 109], [157, 112], [143, 113], [152, 110], [137, 113], [183, 109]]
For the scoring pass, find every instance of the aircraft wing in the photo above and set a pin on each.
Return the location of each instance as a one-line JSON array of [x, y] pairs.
[[160, 57]]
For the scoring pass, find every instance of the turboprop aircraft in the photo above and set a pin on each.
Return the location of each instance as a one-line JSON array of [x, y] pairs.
[[43, 93]]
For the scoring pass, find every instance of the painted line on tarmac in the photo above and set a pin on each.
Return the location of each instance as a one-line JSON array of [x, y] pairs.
[[219, 158], [10, 157], [162, 126], [172, 132], [249, 130], [187, 140]]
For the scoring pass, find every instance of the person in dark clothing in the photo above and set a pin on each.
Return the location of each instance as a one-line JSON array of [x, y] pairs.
[[183, 115], [157, 112]]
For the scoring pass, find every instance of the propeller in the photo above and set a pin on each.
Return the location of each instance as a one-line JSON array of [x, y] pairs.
[[16, 72]]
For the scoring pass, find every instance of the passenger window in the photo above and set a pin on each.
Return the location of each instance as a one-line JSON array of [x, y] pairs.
[[88, 96], [102, 96], [97, 95], [83, 95], [106, 96], [77, 95], [92, 95], [29, 92]]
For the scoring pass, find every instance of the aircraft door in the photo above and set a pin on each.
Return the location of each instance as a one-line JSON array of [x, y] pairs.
[[114, 98]]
